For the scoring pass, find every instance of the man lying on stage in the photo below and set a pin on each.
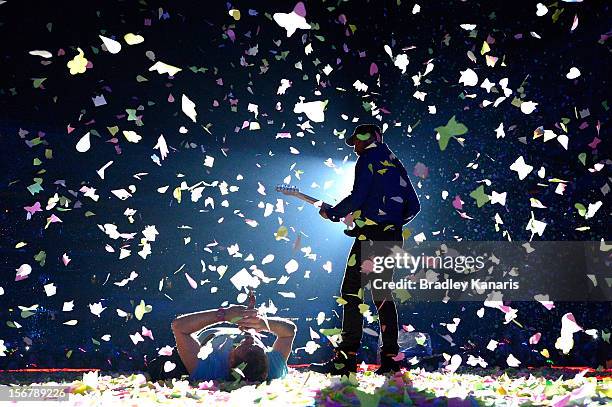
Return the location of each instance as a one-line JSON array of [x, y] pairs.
[[231, 353]]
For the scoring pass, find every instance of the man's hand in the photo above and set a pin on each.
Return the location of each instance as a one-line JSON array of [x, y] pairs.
[[323, 210], [236, 313], [252, 322]]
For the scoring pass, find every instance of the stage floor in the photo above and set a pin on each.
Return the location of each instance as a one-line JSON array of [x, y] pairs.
[[555, 387]]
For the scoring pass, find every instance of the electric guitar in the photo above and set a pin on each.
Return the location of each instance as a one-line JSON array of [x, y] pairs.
[[295, 191]]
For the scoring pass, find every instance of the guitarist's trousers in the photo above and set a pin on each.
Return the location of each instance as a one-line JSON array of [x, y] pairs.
[[379, 242]]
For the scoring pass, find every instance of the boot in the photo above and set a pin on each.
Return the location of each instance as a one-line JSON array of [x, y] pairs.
[[387, 365], [343, 363]]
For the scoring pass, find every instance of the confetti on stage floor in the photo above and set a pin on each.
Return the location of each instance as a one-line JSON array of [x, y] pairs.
[[303, 388]]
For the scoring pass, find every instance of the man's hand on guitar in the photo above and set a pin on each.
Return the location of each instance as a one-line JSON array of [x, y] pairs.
[[323, 209]]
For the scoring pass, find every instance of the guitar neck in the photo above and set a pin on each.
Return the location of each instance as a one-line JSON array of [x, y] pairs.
[[306, 198]]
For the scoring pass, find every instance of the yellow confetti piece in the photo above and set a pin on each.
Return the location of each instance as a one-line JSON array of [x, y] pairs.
[[78, 64], [142, 309], [235, 14], [485, 48], [20, 245], [133, 39], [406, 233], [352, 260], [177, 194], [281, 233]]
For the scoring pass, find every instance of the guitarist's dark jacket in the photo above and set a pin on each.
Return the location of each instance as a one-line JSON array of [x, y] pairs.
[[382, 190]]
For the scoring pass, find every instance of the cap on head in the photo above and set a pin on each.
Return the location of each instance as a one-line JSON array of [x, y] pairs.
[[365, 132]]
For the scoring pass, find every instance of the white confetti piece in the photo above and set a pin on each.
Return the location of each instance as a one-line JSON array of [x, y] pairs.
[[512, 361], [41, 53], [292, 21], [528, 107], [132, 136], [50, 289], [541, 10], [468, 78], [111, 45], [521, 168], [162, 68], [313, 110], [83, 144], [573, 73], [96, 308], [291, 266], [188, 108]]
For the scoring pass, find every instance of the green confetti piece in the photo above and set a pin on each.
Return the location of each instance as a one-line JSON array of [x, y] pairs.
[[341, 301], [48, 154], [480, 196], [581, 209], [402, 295], [367, 399], [131, 114], [451, 129], [95, 342], [363, 308], [113, 130], [141, 78], [36, 82], [582, 158], [41, 257], [26, 314], [36, 162], [352, 260], [363, 136], [68, 354], [35, 141], [371, 168], [89, 213], [382, 172], [331, 331]]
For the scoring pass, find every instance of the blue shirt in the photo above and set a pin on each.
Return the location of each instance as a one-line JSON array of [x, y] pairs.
[[382, 190], [216, 365]]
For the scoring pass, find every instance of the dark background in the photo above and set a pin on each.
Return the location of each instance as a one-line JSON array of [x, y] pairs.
[[193, 36]]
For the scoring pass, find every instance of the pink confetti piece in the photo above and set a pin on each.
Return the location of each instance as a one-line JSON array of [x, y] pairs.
[[32, 209], [191, 281], [457, 203], [147, 332], [575, 23], [299, 9], [373, 69]]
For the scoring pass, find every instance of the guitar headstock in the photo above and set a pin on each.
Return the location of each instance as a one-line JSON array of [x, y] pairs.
[[287, 189]]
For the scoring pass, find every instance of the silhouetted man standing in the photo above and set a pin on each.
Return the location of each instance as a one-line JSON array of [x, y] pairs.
[[382, 201]]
